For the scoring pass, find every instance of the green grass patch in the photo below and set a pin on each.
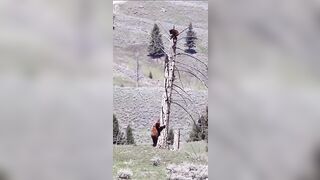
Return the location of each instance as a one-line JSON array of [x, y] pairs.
[[137, 159], [202, 49], [120, 81], [157, 73]]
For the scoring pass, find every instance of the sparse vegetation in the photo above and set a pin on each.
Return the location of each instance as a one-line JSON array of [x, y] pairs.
[[123, 82], [187, 171]]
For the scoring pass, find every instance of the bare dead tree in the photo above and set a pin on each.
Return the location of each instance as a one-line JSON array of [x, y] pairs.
[[138, 69], [166, 100], [171, 67]]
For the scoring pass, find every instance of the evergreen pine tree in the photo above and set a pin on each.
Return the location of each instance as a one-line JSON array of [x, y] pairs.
[[195, 133], [200, 129], [190, 40], [130, 138], [115, 129], [156, 44], [118, 137]]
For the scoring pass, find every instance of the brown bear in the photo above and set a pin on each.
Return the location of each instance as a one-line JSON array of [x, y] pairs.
[[155, 132]]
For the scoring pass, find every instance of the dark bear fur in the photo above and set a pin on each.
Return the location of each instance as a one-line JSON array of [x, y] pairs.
[[155, 132]]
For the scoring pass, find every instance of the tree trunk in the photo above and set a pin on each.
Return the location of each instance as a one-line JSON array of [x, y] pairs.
[[169, 67], [176, 140], [138, 68]]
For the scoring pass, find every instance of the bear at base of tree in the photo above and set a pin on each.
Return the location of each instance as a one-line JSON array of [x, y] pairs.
[[155, 132]]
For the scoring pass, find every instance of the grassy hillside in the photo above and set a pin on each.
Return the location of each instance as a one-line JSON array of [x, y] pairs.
[[140, 107], [133, 23]]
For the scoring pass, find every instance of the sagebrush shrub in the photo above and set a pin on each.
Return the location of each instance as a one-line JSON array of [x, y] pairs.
[[156, 161], [187, 171], [125, 174]]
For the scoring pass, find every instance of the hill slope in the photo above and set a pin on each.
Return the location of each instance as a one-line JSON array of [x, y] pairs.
[[140, 107], [133, 23]]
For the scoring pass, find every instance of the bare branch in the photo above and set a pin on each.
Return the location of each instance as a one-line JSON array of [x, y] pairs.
[[191, 68], [168, 31], [182, 90], [190, 72], [181, 38], [190, 99], [179, 77], [181, 96], [164, 29], [164, 51], [192, 57], [185, 111], [168, 39], [183, 30]]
